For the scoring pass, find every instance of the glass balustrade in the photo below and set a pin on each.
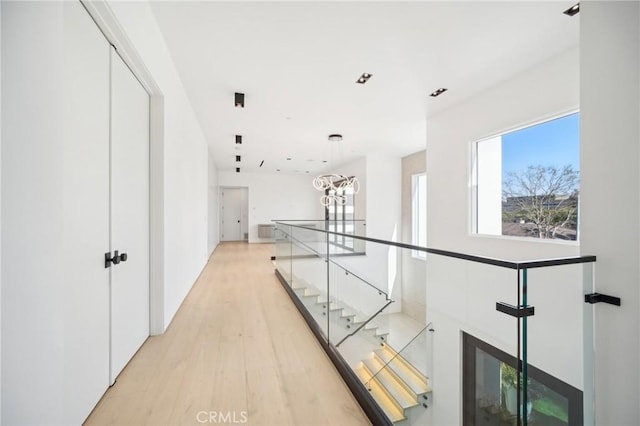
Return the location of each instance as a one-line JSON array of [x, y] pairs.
[[506, 343]]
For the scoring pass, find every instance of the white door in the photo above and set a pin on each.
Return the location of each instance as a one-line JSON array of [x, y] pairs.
[[129, 214], [231, 201], [85, 201]]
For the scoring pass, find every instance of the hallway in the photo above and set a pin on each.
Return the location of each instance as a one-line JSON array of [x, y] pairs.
[[237, 351]]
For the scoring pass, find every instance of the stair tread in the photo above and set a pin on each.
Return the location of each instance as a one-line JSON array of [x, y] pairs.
[[416, 381], [347, 312], [333, 306], [386, 379], [393, 412]]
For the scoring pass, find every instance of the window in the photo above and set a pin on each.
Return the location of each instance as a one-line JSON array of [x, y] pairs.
[[526, 182], [489, 390], [341, 218], [419, 213]]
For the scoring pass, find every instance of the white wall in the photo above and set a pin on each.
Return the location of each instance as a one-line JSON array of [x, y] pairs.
[[274, 196], [462, 295], [384, 182], [413, 270], [610, 202], [185, 159], [212, 206], [38, 218], [380, 193], [515, 102]]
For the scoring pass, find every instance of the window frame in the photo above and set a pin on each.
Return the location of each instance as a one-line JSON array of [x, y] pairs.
[[470, 343], [473, 181]]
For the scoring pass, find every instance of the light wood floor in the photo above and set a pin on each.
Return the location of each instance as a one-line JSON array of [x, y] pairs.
[[237, 349]]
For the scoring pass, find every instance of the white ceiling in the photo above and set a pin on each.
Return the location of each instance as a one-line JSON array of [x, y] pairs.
[[297, 63]]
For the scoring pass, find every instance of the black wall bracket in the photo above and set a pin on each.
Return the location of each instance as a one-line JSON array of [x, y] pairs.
[[515, 311], [597, 298]]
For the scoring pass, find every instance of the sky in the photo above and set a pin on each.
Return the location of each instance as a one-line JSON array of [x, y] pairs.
[[552, 143]]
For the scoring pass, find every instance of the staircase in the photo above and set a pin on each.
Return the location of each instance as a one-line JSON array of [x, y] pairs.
[[397, 387], [348, 318]]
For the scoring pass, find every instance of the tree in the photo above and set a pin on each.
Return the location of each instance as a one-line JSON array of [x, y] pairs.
[[546, 197]]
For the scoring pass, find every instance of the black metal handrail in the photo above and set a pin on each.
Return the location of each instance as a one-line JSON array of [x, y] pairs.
[[518, 265]]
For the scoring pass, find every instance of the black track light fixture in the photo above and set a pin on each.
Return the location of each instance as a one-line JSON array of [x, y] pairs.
[[438, 92], [573, 10], [239, 97], [363, 78]]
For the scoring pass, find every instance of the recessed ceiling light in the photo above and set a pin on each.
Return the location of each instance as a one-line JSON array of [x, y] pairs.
[[288, 158], [324, 161], [573, 10], [277, 170], [363, 78], [239, 98], [238, 139], [438, 92], [237, 169], [237, 158], [335, 138]]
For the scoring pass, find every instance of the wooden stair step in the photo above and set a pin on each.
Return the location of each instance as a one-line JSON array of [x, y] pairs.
[[396, 389], [388, 405], [415, 381]]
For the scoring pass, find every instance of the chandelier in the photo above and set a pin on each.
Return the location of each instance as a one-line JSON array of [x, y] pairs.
[[335, 186]]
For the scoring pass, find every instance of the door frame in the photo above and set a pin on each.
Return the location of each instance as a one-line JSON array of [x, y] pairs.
[[102, 15], [244, 213]]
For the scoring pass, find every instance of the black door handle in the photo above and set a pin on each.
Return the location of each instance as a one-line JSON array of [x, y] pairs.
[[238, 221], [117, 258]]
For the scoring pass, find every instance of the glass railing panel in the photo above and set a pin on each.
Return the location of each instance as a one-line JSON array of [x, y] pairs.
[[517, 363], [401, 379], [283, 250], [399, 276], [309, 279], [557, 365], [356, 300], [345, 226], [462, 308]]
